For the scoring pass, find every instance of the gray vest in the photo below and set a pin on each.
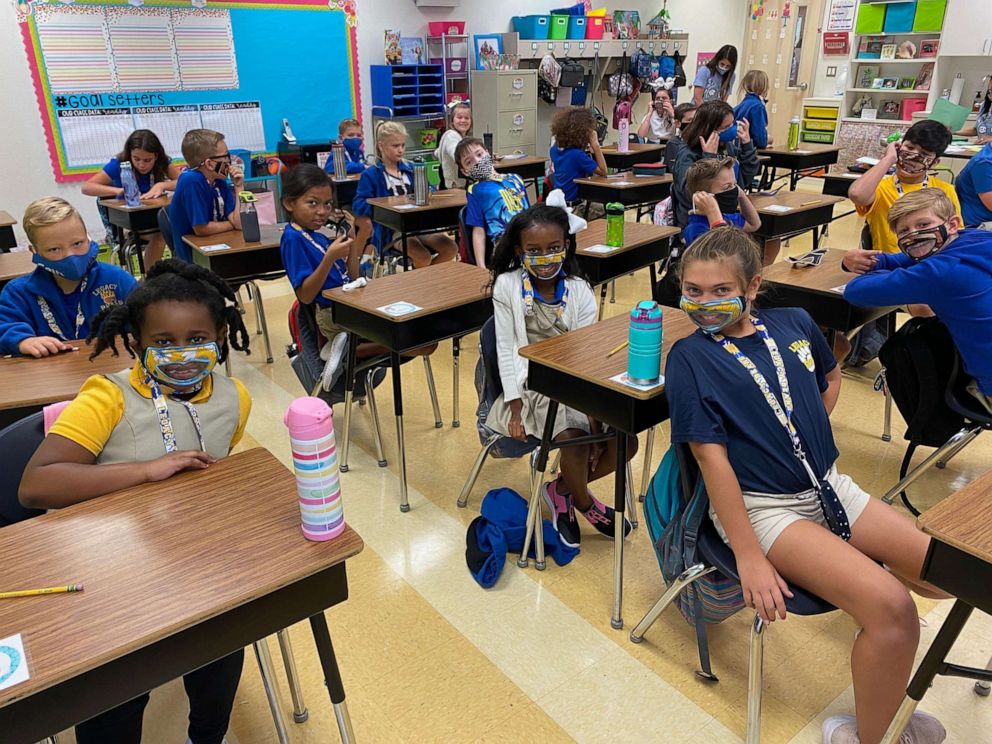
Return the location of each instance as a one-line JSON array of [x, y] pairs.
[[138, 437]]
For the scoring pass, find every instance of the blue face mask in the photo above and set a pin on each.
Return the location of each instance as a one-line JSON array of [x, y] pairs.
[[72, 268], [353, 145], [729, 135]]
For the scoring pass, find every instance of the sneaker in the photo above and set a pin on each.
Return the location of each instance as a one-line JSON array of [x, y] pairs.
[[840, 730], [564, 515], [923, 728], [601, 516], [334, 366]]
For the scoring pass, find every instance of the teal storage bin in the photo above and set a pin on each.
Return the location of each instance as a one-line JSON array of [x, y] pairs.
[[929, 15], [899, 17], [559, 26], [576, 27], [871, 19], [532, 26]]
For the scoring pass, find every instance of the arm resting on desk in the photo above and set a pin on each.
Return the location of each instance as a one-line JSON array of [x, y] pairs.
[[100, 185]]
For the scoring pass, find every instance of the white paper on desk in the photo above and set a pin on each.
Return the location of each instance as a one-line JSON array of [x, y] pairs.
[[623, 183], [215, 247], [838, 290], [600, 248], [623, 379], [396, 309], [405, 206], [779, 208], [13, 662]]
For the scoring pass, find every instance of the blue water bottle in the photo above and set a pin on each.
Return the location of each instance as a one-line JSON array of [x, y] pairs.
[[644, 343], [132, 197]]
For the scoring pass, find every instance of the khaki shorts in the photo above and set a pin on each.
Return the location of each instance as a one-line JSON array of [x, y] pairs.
[[325, 322], [770, 514], [985, 400]]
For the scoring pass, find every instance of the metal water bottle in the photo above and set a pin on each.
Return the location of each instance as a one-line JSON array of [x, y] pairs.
[[337, 154], [249, 217], [311, 435], [794, 133], [421, 189], [132, 196], [644, 343], [614, 224]]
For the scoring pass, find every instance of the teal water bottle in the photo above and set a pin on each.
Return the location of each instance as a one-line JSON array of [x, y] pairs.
[[614, 224], [644, 343]]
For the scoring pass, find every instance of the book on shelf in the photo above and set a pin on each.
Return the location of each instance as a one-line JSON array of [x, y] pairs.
[[866, 74], [924, 78]]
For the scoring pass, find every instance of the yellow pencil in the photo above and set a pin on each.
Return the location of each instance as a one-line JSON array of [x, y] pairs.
[[46, 590], [806, 204], [617, 349]]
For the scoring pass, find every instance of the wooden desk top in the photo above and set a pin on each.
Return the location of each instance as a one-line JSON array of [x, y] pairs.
[[807, 148], [351, 177], [433, 288], [797, 201], [439, 200], [635, 234], [583, 353], [271, 236], [528, 160], [120, 206], [625, 181], [155, 560], [26, 381], [964, 519], [634, 147], [13, 265], [822, 278], [6, 220]]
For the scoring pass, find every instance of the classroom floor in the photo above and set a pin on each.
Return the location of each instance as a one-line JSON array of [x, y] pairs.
[[428, 656]]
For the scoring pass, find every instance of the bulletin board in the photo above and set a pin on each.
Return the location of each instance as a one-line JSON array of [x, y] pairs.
[[103, 68]]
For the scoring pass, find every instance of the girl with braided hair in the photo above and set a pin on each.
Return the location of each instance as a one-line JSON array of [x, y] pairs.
[[166, 414]]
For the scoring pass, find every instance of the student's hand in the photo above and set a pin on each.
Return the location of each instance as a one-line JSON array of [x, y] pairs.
[[705, 203], [237, 176], [744, 131], [764, 590], [593, 140], [175, 462], [891, 153], [516, 427], [664, 109], [42, 346], [154, 192], [860, 262], [340, 248], [711, 144]]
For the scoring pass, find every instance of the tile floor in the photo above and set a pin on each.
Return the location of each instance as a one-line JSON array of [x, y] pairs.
[[428, 656]]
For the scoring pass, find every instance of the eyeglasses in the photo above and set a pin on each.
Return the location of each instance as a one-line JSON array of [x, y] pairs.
[[226, 157]]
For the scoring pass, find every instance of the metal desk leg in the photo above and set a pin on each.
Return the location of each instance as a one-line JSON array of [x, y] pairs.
[[264, 658], [619, 503], [646, 474], [405, 254], [349, 395], [602, 299], [263, 327], [394, 359], [534, 511], [332, 677], [455, 351], [300, 712]]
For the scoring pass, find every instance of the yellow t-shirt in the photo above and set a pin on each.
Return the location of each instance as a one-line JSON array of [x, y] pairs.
[[95, 412], [877, 213]]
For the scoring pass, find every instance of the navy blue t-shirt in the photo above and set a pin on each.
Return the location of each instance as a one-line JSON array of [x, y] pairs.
[[713, 399], [197, 201], [300, 258], [113, 171], [571, 163]]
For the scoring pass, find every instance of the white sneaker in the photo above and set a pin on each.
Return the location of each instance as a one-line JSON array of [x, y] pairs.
[[840, 730], [923, 728], [334, 366]]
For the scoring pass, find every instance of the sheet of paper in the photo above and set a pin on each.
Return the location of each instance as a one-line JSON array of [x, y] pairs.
[[404, 206], [624, 380], [13, 662], [215, 247], [397, 309], [838, 290], [623, 183], [777, 208], [600, 248]]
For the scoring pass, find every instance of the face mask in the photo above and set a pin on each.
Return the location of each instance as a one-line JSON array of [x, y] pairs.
[[728, 201], [181, 366], [724, 69], [72, 268], [913, 163], [353, 145], [483, 169], [729, 135], [920, 244], [535, 262], [714, 316]]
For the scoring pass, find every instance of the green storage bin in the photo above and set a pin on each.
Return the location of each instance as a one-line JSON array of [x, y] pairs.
[[823, 138], [871, 19], [434, 173], [929, 15], [559, 26]]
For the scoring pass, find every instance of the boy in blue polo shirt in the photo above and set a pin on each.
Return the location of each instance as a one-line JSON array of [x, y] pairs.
[[974, 187], [53, 305], [716, 199], [204, 203]]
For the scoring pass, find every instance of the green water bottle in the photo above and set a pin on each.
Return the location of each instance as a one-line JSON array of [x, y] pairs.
[[794, 133], [614, 224]]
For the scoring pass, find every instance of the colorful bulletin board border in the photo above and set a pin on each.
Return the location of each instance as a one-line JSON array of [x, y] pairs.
[[313, 103]]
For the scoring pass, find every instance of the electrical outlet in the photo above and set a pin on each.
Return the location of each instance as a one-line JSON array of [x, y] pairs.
[[774, 108], [831, 72]]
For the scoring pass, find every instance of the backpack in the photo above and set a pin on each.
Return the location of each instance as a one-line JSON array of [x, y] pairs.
[[640, 64], [548, 79], [573, 74], [666, 66], [679, 72], [621, 111], [602, 123], [620, 83]]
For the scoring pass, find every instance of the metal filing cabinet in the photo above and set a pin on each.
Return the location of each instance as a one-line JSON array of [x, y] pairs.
[[505, 103]]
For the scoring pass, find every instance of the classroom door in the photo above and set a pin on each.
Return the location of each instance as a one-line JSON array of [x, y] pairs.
[[783, 39]]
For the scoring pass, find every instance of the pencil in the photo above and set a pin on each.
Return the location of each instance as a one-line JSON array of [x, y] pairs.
[[46, 590], [618, 348], [806, 204]]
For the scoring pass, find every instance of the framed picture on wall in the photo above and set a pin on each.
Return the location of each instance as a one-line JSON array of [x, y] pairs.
[[907, 83], [888, 109], [486, 45], [929, 47]]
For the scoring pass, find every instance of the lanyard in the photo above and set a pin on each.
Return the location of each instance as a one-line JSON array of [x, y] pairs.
[[323, 251], [924, 185], [165, 421], [527, 292], [53, 326]]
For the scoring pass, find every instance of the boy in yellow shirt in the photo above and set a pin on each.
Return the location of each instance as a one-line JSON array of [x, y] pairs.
[[875, 192]]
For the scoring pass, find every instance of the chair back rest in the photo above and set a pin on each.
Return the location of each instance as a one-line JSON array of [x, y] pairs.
[[306, 336], [490, 360], [18, 443], [165, 227]]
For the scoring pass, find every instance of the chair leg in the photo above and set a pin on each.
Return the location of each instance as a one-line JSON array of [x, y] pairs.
[[473, 474], [984, 688], [534, 506], [938, 454], [646, 470], [300, 712], [602, 300], [438, 423], [942, 462], [687, 577], [887, 420], [455, 353], [260, 318], [629, 496], [613, 292], [374, 416], [755, 681], [346, 434], [269, 684]]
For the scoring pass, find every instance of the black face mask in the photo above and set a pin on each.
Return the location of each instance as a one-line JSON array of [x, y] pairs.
[[728, 201]]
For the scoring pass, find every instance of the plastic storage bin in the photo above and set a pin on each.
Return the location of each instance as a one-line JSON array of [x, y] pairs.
[[871, 19], [819, 112], [910, 106], [576, 27], [579, 9], [899, 17], [819, 125], [594, 27], [452, 65], [559, 27], [446, 28], [929, 15], [826, 138], [532, 26]]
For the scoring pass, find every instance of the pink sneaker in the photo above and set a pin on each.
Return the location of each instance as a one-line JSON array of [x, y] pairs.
[[602, 517], [563, 515]]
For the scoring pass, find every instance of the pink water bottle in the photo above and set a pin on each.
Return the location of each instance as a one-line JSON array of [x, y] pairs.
[[311, 436]]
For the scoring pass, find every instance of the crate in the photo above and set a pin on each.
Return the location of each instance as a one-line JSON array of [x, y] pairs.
[[824, 138], [871, 19], [899, 17], [929, 15], [819, 125], [820, 112], [576, 27], [594, 27], [559, 27], [532, 26], [452, 65], [446, 28], [409, 90]]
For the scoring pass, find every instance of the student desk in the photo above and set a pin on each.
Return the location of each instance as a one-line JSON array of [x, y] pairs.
[[27, 384], [243, 263], [793, 212], [637, 153], [807, 157], [452, 299], [838, 184], [628, 189], [965, 153], [7, 239], [574, 370], [134, 220], [402, 216], [959, 561], [13, 265], [178, 574], [530, 168]]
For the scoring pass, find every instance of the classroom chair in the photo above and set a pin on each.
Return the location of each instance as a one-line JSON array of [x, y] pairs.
[[18, 443], [468, 254], [711, 554], [165, 227]]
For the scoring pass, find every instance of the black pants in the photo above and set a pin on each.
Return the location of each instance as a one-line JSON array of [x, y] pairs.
[[210, 690]]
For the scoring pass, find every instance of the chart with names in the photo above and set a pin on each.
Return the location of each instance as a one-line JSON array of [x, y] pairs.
[[240, 122], [144, 56], [170, 123], [205, 49], [92, 136]]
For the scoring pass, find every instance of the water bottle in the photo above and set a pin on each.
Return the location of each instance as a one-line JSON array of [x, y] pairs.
[[337, 153], [644, 343], [249, 217], [132, 196], [614, 224], [623, 135], [794, 133], [311, 436], [421, 189]]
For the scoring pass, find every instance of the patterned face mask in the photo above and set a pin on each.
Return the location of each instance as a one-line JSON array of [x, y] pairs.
[[920, 244], [544, 266], [181, 366], [714, 316], [483, 169], [910, 162]]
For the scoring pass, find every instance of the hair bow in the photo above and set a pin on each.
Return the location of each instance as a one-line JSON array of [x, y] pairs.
[[557, 199]]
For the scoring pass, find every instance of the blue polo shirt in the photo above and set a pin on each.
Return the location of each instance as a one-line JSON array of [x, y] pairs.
[[714, 400], [571, 163], [492, 204], [113, 171], [300, 258], [699, 224], [197, 202], [975, 178]]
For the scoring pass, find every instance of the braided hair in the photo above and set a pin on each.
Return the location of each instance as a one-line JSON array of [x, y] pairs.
[[176, 281]]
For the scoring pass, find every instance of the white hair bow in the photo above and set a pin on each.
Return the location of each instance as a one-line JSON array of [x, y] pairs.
[[557, 199]]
